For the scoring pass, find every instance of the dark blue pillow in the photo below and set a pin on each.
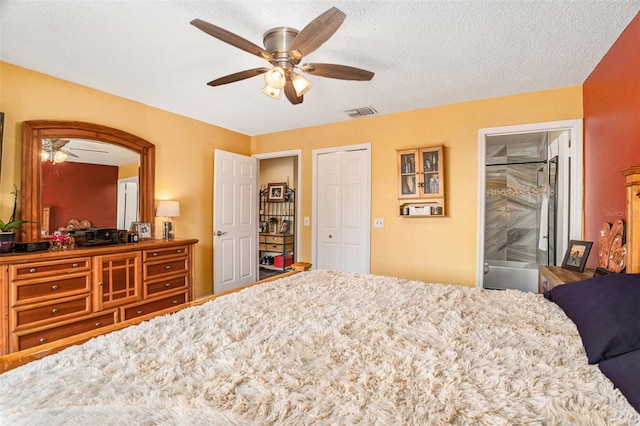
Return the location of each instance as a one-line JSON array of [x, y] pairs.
[[606, 310], [624, 372]]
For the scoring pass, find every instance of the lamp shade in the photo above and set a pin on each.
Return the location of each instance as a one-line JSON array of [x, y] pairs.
[[168, 208], [301, 84], [275, 78]]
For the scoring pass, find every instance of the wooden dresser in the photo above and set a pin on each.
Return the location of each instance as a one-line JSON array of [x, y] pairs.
[[50, 295]]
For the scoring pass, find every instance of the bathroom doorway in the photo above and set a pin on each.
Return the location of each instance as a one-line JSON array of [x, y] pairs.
[[530, 201]]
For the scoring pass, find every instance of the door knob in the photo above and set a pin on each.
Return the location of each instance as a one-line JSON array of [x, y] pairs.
[[330, 236], [219, 233]]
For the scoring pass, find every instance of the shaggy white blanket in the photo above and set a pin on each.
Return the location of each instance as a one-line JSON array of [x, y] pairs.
[[328, 348]]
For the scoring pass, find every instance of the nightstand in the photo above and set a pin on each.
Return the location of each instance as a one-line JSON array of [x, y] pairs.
[[552, 276]]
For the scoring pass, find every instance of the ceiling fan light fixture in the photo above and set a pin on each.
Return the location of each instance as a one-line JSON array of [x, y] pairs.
[[59, 157], [271, 92], [301, 84], [275, 78]]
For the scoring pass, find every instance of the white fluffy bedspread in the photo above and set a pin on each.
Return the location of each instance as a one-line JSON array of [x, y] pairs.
[[327, 348]]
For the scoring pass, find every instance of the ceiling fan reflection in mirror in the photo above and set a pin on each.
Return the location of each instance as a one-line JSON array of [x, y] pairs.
[[52, 150], [57, 150], [284, 48]]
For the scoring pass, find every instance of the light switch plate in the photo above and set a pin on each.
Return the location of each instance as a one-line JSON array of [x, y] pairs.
[[378, 222], [307, 221]]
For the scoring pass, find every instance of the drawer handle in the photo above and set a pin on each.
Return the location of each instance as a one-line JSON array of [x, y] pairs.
[[178, 251], [100, 284], [75, 265], [175, 302], [32, 270], [167, 267], [42, 340], [167, 285], [54, 311], [54, 287], [98, 324], [139, 312], [154, 254]]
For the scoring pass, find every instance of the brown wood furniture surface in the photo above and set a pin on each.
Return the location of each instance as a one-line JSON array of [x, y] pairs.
[[53, 295], [552, 276], [633, 210], [16, 359]]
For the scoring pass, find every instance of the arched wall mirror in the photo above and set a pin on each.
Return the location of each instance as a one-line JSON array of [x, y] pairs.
[[60, 159]]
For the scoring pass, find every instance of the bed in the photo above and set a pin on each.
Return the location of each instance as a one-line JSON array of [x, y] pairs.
[[323, 347]]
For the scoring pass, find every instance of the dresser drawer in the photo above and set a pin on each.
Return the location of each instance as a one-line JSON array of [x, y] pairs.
[[164, 253], [276, 247], [30, 292], [28, 340], [156, 288], [155, 305], [170, 267], [59, 310], [49, 268], [278, 239]]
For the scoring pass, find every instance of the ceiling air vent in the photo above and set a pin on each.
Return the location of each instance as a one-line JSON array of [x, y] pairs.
[[360, 112]]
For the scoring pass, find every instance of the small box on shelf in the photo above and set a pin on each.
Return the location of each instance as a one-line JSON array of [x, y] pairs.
[[281, 261], [422, 210]]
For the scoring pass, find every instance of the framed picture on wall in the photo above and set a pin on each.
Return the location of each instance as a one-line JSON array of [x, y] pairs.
[[275, 191], [576, 256]]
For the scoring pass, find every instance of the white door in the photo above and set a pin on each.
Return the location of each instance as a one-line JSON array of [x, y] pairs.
[[127, 202], [343, 211], [235, 240]]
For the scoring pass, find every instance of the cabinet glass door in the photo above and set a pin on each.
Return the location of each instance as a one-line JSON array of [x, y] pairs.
[[431, 184], [408, 175]]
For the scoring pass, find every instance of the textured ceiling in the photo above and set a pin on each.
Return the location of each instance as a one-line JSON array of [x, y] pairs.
[[424, 53]]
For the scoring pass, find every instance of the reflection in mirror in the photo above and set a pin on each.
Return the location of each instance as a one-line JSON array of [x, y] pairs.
[[88, 183], [49, 147]]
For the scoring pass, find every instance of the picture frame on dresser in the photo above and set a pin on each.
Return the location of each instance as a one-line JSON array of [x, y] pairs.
[[144, 230], [577, 254]]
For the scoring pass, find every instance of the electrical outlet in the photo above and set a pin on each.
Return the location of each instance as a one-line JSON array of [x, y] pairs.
[[378, 222], [307, 221]]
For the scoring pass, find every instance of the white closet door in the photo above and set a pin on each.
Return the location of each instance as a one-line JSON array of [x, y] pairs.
[[343, 200]]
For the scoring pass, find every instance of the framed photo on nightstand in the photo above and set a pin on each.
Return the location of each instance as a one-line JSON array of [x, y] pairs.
[[576, 256]]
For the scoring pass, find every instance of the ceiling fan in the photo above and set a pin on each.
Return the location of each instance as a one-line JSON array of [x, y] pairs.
[[52, 150], [284, 48]]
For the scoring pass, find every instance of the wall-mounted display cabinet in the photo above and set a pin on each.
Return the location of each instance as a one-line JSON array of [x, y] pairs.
[[421, 178]]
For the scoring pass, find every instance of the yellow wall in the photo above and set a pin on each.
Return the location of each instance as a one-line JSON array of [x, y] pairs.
[[431, 249], [184, 148], [279, 170], [128, 170]]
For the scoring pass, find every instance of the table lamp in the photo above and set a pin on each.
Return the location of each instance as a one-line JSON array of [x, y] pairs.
[[168, 209]]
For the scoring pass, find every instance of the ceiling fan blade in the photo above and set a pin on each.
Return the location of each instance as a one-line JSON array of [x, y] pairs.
[[341, 72], [231, 38], [318, 31], [290, 93], [70, 154], [237, 76]]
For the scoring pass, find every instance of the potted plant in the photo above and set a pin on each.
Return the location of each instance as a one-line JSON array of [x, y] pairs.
[[7, 235]]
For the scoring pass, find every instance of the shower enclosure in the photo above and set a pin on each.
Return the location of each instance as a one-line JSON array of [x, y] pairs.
[[520, 209]]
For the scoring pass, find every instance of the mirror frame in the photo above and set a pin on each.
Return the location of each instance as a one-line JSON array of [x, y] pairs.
[[32, 134]]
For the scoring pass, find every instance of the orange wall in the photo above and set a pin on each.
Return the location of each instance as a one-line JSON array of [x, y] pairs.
[[184, 148], [431, 249], [612, 131]]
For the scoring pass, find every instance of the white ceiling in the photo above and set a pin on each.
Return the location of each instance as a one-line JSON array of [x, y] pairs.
[[424, 53]]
